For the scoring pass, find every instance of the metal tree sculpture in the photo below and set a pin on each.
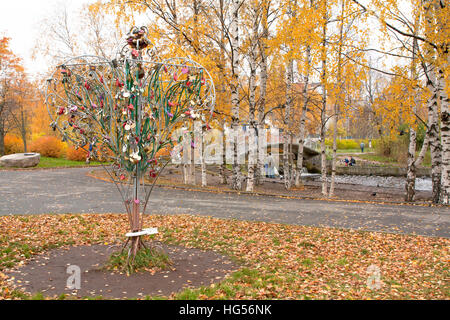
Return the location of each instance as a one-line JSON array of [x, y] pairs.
[[124, 112]]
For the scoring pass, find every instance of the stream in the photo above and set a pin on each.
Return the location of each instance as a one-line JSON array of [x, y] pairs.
[[422, 184]]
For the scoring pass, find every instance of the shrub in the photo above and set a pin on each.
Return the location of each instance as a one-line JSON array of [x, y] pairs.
[[396, 149], [344, 144], [13, 144], [384, 147], [100, 154], [76, 154], [49, 146]]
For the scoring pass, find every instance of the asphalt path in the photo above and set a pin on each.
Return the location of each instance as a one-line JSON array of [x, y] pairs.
[[60, 191]]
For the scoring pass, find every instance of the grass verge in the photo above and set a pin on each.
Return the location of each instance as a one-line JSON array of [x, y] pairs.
[[47, 162]]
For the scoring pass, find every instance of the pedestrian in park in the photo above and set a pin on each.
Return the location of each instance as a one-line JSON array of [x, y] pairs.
[[346, 162], [352, 161], [362, 147], [271, 164]]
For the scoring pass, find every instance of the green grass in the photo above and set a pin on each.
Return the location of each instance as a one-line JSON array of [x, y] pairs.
[[388, 160], [377, 158], [55, 162], [352, 151], [58, 163], [145, 258], [427, 159]]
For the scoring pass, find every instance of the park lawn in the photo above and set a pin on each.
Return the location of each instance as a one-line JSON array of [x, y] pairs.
[[377, 158], [387, 160], [353, 151], [277, 261], [47, 162], [56, 162]]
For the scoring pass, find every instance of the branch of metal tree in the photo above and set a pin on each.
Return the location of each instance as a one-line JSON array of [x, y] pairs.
[[147, 197]]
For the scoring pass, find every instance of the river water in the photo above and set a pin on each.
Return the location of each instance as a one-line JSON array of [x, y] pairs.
[[422, 184]]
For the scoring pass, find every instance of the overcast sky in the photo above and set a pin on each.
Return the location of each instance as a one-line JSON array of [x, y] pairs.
[[19, 20]]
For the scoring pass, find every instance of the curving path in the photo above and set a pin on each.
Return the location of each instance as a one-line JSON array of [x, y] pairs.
[[71, 191]]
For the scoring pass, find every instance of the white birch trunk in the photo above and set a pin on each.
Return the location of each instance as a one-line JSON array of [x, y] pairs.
[[324, 103], [302, 129], [323, 163], [443, 52], [204, 173], [334, 161], [234, 34], [222, 167], [339, 98], [445, 134], [287, 114], [435, 143], [411, 169], [263, 47], [192, 169], [252, 101], [432, 104]]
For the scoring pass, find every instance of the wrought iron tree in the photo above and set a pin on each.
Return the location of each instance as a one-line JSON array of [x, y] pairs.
[[124, 112]]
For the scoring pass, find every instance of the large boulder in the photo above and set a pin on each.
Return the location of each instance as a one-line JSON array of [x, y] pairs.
[[20, 160]]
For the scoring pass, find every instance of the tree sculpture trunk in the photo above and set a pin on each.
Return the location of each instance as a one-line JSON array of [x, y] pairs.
[[136, 227]]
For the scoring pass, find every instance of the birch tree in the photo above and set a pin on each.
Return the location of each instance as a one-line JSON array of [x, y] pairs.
[[254, 15], [236, 183]]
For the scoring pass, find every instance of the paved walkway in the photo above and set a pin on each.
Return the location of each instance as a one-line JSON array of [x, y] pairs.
[[71, 191]]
